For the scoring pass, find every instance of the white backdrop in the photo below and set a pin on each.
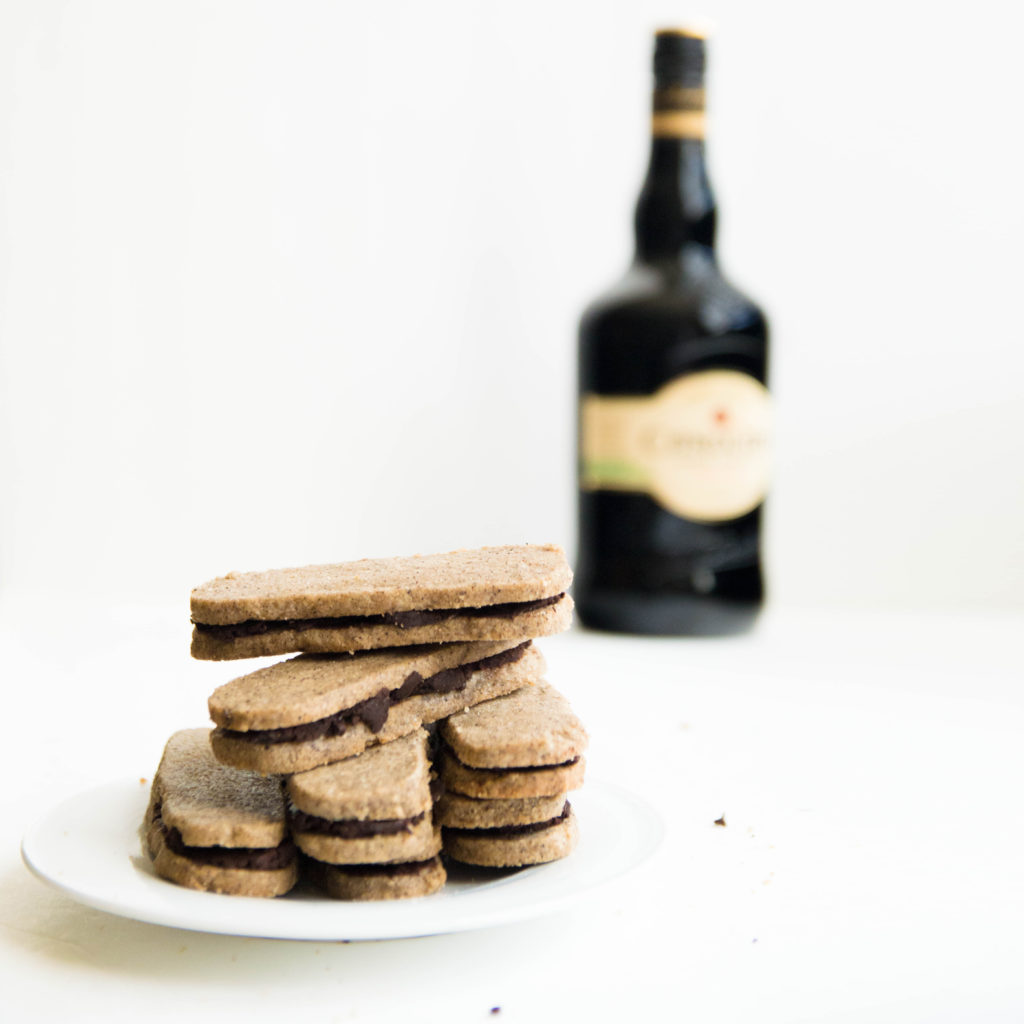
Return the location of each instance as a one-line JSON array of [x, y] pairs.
[[291, 282]]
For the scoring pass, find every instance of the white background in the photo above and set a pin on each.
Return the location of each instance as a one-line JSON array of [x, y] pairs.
[[293, 282], [868, 766]]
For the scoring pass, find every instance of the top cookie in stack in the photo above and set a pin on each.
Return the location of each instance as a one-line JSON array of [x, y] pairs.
[[387, 645], [499, 593]]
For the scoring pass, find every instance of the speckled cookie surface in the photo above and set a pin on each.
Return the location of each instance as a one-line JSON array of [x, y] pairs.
[[389, 782], [211, 804], [505, 785], [458, 579], [457, 811], [229, 881], [364, 884], [404, 717], [332, 639], [308, 688], [515, 851], [419, 842], [533, 726], [383, 783]]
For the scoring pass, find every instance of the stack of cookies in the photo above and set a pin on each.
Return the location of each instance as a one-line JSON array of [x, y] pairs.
[[506, 766], [365, 823], [385, 648]]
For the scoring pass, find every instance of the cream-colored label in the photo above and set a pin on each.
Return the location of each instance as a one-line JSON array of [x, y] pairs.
[[699, 446]]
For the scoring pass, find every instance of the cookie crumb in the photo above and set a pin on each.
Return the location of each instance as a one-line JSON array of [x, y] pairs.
[[495, 1010], [142, 781], [720, 821]]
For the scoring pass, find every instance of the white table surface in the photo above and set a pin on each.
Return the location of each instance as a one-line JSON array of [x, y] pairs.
[[869, 768]]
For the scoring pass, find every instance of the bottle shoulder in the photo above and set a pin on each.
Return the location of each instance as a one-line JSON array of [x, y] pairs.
[[660, 322], [691, 291]]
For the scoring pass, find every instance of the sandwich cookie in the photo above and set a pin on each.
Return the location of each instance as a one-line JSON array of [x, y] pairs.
[[499, 593], [507, 765], [371, 809], [214, 828], [514, 846], [365, 823], [317, 709], [454, 810], [377, 881]]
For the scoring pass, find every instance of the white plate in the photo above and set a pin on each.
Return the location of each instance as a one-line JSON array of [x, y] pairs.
[[88, 847]]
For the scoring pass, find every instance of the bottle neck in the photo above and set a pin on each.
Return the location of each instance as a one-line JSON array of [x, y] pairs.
[[676, 208]]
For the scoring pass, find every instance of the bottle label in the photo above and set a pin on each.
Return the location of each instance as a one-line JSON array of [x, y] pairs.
[[678, 112], [699, 445]]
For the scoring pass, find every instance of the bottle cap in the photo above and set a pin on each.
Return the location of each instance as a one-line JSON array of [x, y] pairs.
[[679, 57]]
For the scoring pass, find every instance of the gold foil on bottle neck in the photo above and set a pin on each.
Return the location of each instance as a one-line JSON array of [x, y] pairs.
[[678, 112], [678, 124]]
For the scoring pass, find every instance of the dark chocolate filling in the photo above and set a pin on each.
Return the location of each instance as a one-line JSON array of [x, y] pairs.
[[350, 828], [403, 620], [373, 711], [249, 858], [512, 831], [412, 867], [507, 768]]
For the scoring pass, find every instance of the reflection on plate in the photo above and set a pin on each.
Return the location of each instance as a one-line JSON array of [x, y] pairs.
[[88, 847]]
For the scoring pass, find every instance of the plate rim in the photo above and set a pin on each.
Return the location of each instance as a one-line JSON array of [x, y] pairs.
[[645, 841]]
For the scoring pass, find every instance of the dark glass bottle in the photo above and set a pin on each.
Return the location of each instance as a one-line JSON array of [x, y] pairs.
[[674, 413]]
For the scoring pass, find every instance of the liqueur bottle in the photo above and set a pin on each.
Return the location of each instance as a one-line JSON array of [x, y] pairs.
[[674, 412]]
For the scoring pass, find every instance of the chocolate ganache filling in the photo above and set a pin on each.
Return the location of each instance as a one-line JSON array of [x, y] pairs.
[[373, 712], [506, 768], [317, 869], [410, 867], [403, 620], [512, 831], [249, 858], [350, 828]]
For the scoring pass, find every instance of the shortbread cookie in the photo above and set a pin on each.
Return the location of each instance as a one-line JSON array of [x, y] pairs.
[[535, 726], [215, 828], [514, 846], [454, 810], [378, 881], [317, 709], [502, 593], [506, 784], [373, 808], [527, 744], [506, 765]]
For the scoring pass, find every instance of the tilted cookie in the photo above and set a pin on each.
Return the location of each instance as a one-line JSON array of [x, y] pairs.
[[453, 810], [374, 808], [316, 709], [365, 823], [514, 846], [507, 784], [500, 593], [377, 881], [507, 765], [527, 744], [215, 828]]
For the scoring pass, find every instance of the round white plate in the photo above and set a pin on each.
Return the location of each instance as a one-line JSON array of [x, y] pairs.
[[88, 847]]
